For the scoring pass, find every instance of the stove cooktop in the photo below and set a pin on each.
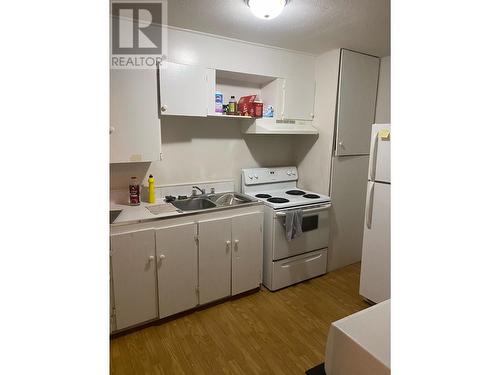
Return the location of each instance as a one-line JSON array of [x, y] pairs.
[[286, 198]]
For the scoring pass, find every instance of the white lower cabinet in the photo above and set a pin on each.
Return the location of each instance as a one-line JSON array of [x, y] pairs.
[[166, 269], [246, 270], [134, 277], [214, 259], [177, 267]]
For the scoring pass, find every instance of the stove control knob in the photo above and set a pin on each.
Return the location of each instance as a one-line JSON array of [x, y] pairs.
[[251, 177], [289, 173], [256, 177]]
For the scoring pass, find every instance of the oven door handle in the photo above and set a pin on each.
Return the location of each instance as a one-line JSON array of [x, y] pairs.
[[307, 211]]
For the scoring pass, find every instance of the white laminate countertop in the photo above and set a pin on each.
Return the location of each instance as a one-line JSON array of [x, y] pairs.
[[134, 214], [137, 214]]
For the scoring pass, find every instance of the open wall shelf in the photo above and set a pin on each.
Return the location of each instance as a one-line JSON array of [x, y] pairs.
[[268, 89]]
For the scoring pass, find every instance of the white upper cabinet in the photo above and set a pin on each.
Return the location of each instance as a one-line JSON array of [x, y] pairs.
[[134, 121], [183, 89], [357, 95], [298, 99], [177, 265]]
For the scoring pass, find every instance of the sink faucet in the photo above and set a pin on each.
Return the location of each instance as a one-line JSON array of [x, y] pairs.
[[197, 188]]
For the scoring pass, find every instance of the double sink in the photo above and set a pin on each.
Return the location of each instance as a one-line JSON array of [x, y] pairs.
[[208, 201], [197, 203]]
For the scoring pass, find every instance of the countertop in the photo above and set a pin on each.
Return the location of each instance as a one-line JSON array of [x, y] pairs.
[[139, 214], [360, 343]]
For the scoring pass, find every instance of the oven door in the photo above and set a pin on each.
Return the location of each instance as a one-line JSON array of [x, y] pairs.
[[315, 232]]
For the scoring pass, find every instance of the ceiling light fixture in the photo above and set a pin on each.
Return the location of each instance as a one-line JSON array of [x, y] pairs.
[[266, 9]]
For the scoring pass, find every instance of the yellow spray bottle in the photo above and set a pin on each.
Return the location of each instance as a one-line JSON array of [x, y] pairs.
[[151, 182]]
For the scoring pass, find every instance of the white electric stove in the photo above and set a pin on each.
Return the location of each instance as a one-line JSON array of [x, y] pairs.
[[287, 262]]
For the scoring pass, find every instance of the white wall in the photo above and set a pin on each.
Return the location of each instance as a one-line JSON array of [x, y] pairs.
[[383, 111], [207, 149], [199, 150]]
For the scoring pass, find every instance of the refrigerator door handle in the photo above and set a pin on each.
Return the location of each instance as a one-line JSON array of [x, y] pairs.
[[369, 208], [373, 167]]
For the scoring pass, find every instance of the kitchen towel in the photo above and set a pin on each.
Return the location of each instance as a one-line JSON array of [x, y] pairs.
[[293, 224]]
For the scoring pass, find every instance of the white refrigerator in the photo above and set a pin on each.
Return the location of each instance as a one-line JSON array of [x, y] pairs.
[[375, 283]]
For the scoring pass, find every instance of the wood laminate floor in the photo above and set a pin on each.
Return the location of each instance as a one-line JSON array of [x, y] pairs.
[[263, 333]]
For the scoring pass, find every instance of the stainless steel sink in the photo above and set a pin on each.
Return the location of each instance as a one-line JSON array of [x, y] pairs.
[[193, 204], [229, 199]]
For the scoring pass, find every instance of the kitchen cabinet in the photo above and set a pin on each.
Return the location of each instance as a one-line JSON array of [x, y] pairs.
[[246, 270], [177, 267], [134, 277], [298, 99], [214, 241], [356, 100], [230, 256], [134, 121], [164, 267], [183, 89]]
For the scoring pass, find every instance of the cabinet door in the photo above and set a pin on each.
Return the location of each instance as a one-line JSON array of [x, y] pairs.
[[183, 89], [134, 121], [177, 265], [247, 252], [356, 102], [299, 99], [214, 259], [134, 277]]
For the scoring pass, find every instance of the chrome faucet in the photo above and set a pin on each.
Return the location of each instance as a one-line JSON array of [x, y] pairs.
[[197, 188]]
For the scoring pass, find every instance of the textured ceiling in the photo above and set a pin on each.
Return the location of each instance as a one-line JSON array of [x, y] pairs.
[[313, 26]]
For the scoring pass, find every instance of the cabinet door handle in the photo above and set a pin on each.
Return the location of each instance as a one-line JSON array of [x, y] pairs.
[[151, 258], [236, 242], [228, 245], [162, 256]]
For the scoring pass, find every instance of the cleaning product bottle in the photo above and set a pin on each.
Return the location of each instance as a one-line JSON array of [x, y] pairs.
[[134, 192], [219, 102], [151, 182]]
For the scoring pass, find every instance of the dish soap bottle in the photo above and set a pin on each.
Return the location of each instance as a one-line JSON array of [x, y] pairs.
[[151, 182], [134, 192]]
